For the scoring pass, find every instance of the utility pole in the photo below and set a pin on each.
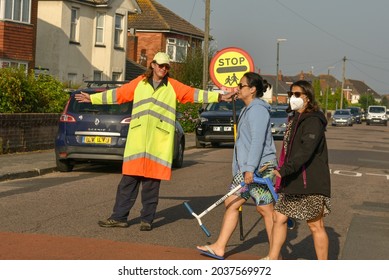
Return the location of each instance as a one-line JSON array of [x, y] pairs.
[[277, 66], [328, 87], [206, 43], [343, 81]]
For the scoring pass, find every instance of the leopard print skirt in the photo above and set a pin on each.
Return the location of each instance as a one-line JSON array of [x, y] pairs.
[[303, 207]]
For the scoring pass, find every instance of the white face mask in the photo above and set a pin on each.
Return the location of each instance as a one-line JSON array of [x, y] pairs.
[[296, 103]]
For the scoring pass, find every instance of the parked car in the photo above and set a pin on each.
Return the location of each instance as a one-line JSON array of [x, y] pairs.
[[278, 120], [357, 114], [216, 124], [88, 132], [342, 117], [376, 115]]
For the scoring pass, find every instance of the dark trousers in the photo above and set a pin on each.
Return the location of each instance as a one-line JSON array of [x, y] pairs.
[[127, 193]]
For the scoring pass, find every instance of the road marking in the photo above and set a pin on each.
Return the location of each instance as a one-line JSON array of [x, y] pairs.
[[355, 174]]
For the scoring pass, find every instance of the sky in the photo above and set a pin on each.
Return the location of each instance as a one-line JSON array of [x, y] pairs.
[[319, 35]]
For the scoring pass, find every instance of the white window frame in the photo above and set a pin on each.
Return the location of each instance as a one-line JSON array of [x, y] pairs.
[[116, 76], [16, 10], [100, 26], [177, 49], [13, 63], [74, 24], [119, 31], [97, 75]]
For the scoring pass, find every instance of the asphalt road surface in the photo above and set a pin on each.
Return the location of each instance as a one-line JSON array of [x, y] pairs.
[[55, 216]]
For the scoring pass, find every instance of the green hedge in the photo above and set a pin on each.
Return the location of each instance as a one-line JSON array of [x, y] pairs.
[[27, 93]]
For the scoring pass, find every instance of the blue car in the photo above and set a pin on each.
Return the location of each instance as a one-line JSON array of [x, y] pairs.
[[89, 133]]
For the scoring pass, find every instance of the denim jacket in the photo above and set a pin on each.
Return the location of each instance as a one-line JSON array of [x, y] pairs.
[[254, 143]]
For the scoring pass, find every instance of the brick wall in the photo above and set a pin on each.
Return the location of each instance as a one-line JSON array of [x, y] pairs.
[[27, 132]]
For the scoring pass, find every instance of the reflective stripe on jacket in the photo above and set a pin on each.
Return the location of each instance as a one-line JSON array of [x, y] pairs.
[[150, 140]]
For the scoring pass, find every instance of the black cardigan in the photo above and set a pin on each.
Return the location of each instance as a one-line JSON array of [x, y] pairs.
[[306, 170]]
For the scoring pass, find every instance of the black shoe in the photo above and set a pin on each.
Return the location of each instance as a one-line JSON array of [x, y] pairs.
[[112, 223], [145, 226]]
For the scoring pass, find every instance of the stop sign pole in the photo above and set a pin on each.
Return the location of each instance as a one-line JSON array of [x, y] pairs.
[[226, 69]]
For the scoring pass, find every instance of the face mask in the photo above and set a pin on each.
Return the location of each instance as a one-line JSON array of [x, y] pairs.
[[296, 103]]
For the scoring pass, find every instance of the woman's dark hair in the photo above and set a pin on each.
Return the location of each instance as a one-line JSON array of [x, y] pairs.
[[255, 80], [307, 88], [149, 72]]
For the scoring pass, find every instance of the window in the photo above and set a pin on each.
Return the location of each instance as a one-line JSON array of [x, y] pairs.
[[119, 30], [176, 49], [97, 75], [15, 64], [100, 19], [74, 25], [72, 78], [17, 10], [116, 76]]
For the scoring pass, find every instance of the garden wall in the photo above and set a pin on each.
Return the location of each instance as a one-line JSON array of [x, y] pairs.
[[27, 132]]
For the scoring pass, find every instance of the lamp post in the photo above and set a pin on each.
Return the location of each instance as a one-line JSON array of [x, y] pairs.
[[278, 60], [328, 87], [367, 98]]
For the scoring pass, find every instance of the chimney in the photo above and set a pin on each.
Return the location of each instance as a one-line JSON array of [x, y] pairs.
[[280, 78], [302, 75]]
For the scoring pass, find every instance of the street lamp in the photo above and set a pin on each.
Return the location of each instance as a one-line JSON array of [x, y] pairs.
[[278, 59], [367, 98], [328, 86]]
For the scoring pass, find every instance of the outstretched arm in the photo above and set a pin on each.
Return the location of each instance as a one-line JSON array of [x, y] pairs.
[[82, 97]]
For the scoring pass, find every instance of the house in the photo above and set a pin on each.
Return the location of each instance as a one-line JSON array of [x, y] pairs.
[[18, 33], [82, 40], [156, 28], [283, 88], [354, 89]]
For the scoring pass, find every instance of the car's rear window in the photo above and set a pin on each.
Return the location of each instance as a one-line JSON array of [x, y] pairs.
[[278, 114], [225, 106], [111, 109]]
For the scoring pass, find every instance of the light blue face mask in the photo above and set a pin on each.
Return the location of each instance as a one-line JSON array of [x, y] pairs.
[[296, 103]]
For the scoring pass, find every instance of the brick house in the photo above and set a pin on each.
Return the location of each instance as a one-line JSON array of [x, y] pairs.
[[18, 33], [156, 28]]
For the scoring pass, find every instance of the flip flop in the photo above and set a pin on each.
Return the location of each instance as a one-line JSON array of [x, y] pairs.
[[210, 253]]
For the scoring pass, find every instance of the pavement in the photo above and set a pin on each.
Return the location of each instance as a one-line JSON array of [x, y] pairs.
[[36, 163]]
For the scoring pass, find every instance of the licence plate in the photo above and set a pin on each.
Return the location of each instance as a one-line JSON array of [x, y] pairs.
[[96, 140], [227, 128], [217, 128]]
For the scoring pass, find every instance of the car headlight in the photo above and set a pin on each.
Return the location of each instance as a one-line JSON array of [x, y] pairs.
[[202, 119]]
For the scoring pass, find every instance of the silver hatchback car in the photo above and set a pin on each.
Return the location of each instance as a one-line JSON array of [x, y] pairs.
[[342, 117]]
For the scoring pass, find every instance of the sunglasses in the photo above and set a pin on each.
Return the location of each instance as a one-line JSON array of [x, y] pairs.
[[240, 86], [161, 66], [295, 93]]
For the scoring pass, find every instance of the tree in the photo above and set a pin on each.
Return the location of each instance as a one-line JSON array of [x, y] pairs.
[[366, 100], [190, 71]]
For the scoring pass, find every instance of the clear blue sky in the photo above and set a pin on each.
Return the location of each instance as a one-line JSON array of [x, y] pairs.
[[319, 34]]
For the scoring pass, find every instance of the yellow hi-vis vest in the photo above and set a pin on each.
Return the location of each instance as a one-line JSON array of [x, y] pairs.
[[150, 140]]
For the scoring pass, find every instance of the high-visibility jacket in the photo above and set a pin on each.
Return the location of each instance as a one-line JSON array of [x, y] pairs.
[[150, 140]]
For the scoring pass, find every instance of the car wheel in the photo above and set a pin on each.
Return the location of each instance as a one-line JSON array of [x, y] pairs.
[[64, 165], [199, 144], [177, 163]]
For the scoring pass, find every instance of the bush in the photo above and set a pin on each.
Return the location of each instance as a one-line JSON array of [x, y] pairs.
[[25, 93], [189, 115]]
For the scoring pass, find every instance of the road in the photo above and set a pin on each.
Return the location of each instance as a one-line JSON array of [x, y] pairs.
[[65, 207]]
